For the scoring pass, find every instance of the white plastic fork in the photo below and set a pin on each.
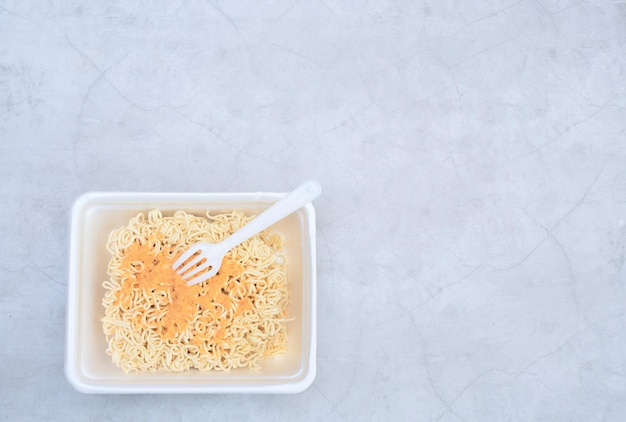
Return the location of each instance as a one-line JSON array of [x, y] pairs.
[[213, 253]]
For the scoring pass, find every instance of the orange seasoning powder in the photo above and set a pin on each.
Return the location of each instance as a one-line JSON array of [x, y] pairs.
[[147, 273]]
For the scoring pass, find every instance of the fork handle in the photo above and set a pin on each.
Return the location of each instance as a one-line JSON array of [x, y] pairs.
[[299, 197]]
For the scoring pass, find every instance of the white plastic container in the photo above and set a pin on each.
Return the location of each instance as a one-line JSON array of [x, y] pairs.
[[90, 370]]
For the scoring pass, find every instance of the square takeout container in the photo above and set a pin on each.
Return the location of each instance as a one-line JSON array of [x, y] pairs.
[[90, 370]]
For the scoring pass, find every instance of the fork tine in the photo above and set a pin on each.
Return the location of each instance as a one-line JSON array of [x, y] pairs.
[[196, 270], [184, 257], [191, 264], [203, 277]]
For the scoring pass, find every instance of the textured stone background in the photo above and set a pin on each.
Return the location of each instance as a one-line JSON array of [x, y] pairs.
[[471, 233]]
